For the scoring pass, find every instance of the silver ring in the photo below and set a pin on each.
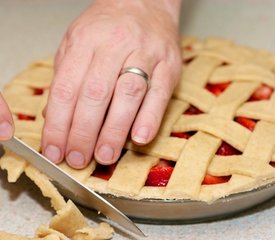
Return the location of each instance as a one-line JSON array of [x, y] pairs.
[[135, 70]]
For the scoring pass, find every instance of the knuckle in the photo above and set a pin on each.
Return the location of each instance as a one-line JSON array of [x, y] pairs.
[[79, 32], [63, 92], [162, 94], [116, 131], [80, 134], [132, 87], [54, 130], [96, 91]]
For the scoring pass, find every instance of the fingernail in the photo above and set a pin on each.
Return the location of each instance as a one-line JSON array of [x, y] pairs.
[[142, 135], [105, 153], [52, 153], [76, 159], [5, 130]]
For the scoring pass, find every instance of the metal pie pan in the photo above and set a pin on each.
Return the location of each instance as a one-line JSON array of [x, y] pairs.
[[175, 211]]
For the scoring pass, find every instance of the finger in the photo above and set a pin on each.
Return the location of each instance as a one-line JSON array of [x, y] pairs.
[[152, 110], [61, 52], [6, 122], [129, 93], [62, 98], [94, 98]]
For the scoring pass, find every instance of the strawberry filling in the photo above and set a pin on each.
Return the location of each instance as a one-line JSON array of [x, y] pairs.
[[264, 92], [192, 111], [209, 179], [188, 48], [218, 88], [160, 174], [185, 135], [25, 117], [272, 164], [246, 122], [104, 172], [38, 91], [227, 150]]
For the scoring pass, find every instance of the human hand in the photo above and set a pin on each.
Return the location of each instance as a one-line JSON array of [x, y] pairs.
[[91, 107], [6, 122]]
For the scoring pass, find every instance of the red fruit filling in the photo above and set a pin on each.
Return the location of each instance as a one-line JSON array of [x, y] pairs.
[[246, 122], [185, 135], [104, 172], [38, 91], [25, 117], [190, 111], [209, 179], [160, 174], [218, 88], [226, 150], [264, 92], [188, 48], [272, 164], [193, 111]]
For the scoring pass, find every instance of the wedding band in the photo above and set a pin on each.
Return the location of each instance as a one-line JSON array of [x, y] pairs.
[[135, 70]]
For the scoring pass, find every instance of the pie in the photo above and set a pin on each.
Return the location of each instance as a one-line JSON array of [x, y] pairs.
[[217, 137]]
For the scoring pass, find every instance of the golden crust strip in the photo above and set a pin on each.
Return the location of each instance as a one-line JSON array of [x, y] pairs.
[[82, 174], [174, 110], [28, 105], [228, 102], [253, 162], [190, 169], [195, 95], [199, 70], [210, 193], [160, 147], [36, 77], [228, 53], [263, 138], [31, 129], [228, 130], [260, 110], [133, 169], [243, 72], [221, 165]]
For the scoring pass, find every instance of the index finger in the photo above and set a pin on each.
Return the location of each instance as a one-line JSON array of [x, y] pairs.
[[62, 99]]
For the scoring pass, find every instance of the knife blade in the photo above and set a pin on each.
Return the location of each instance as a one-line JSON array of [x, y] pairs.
[[84, 194]]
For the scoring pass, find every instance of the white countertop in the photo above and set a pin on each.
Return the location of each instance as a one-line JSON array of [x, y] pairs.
[[32, 29]]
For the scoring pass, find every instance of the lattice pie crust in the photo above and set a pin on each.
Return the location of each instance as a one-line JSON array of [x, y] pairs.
[[205, 63]]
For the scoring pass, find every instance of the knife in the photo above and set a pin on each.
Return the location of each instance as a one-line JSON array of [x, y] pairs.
[[72, 186]]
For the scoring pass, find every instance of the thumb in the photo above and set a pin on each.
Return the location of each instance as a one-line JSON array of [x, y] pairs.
[[6, 122]]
